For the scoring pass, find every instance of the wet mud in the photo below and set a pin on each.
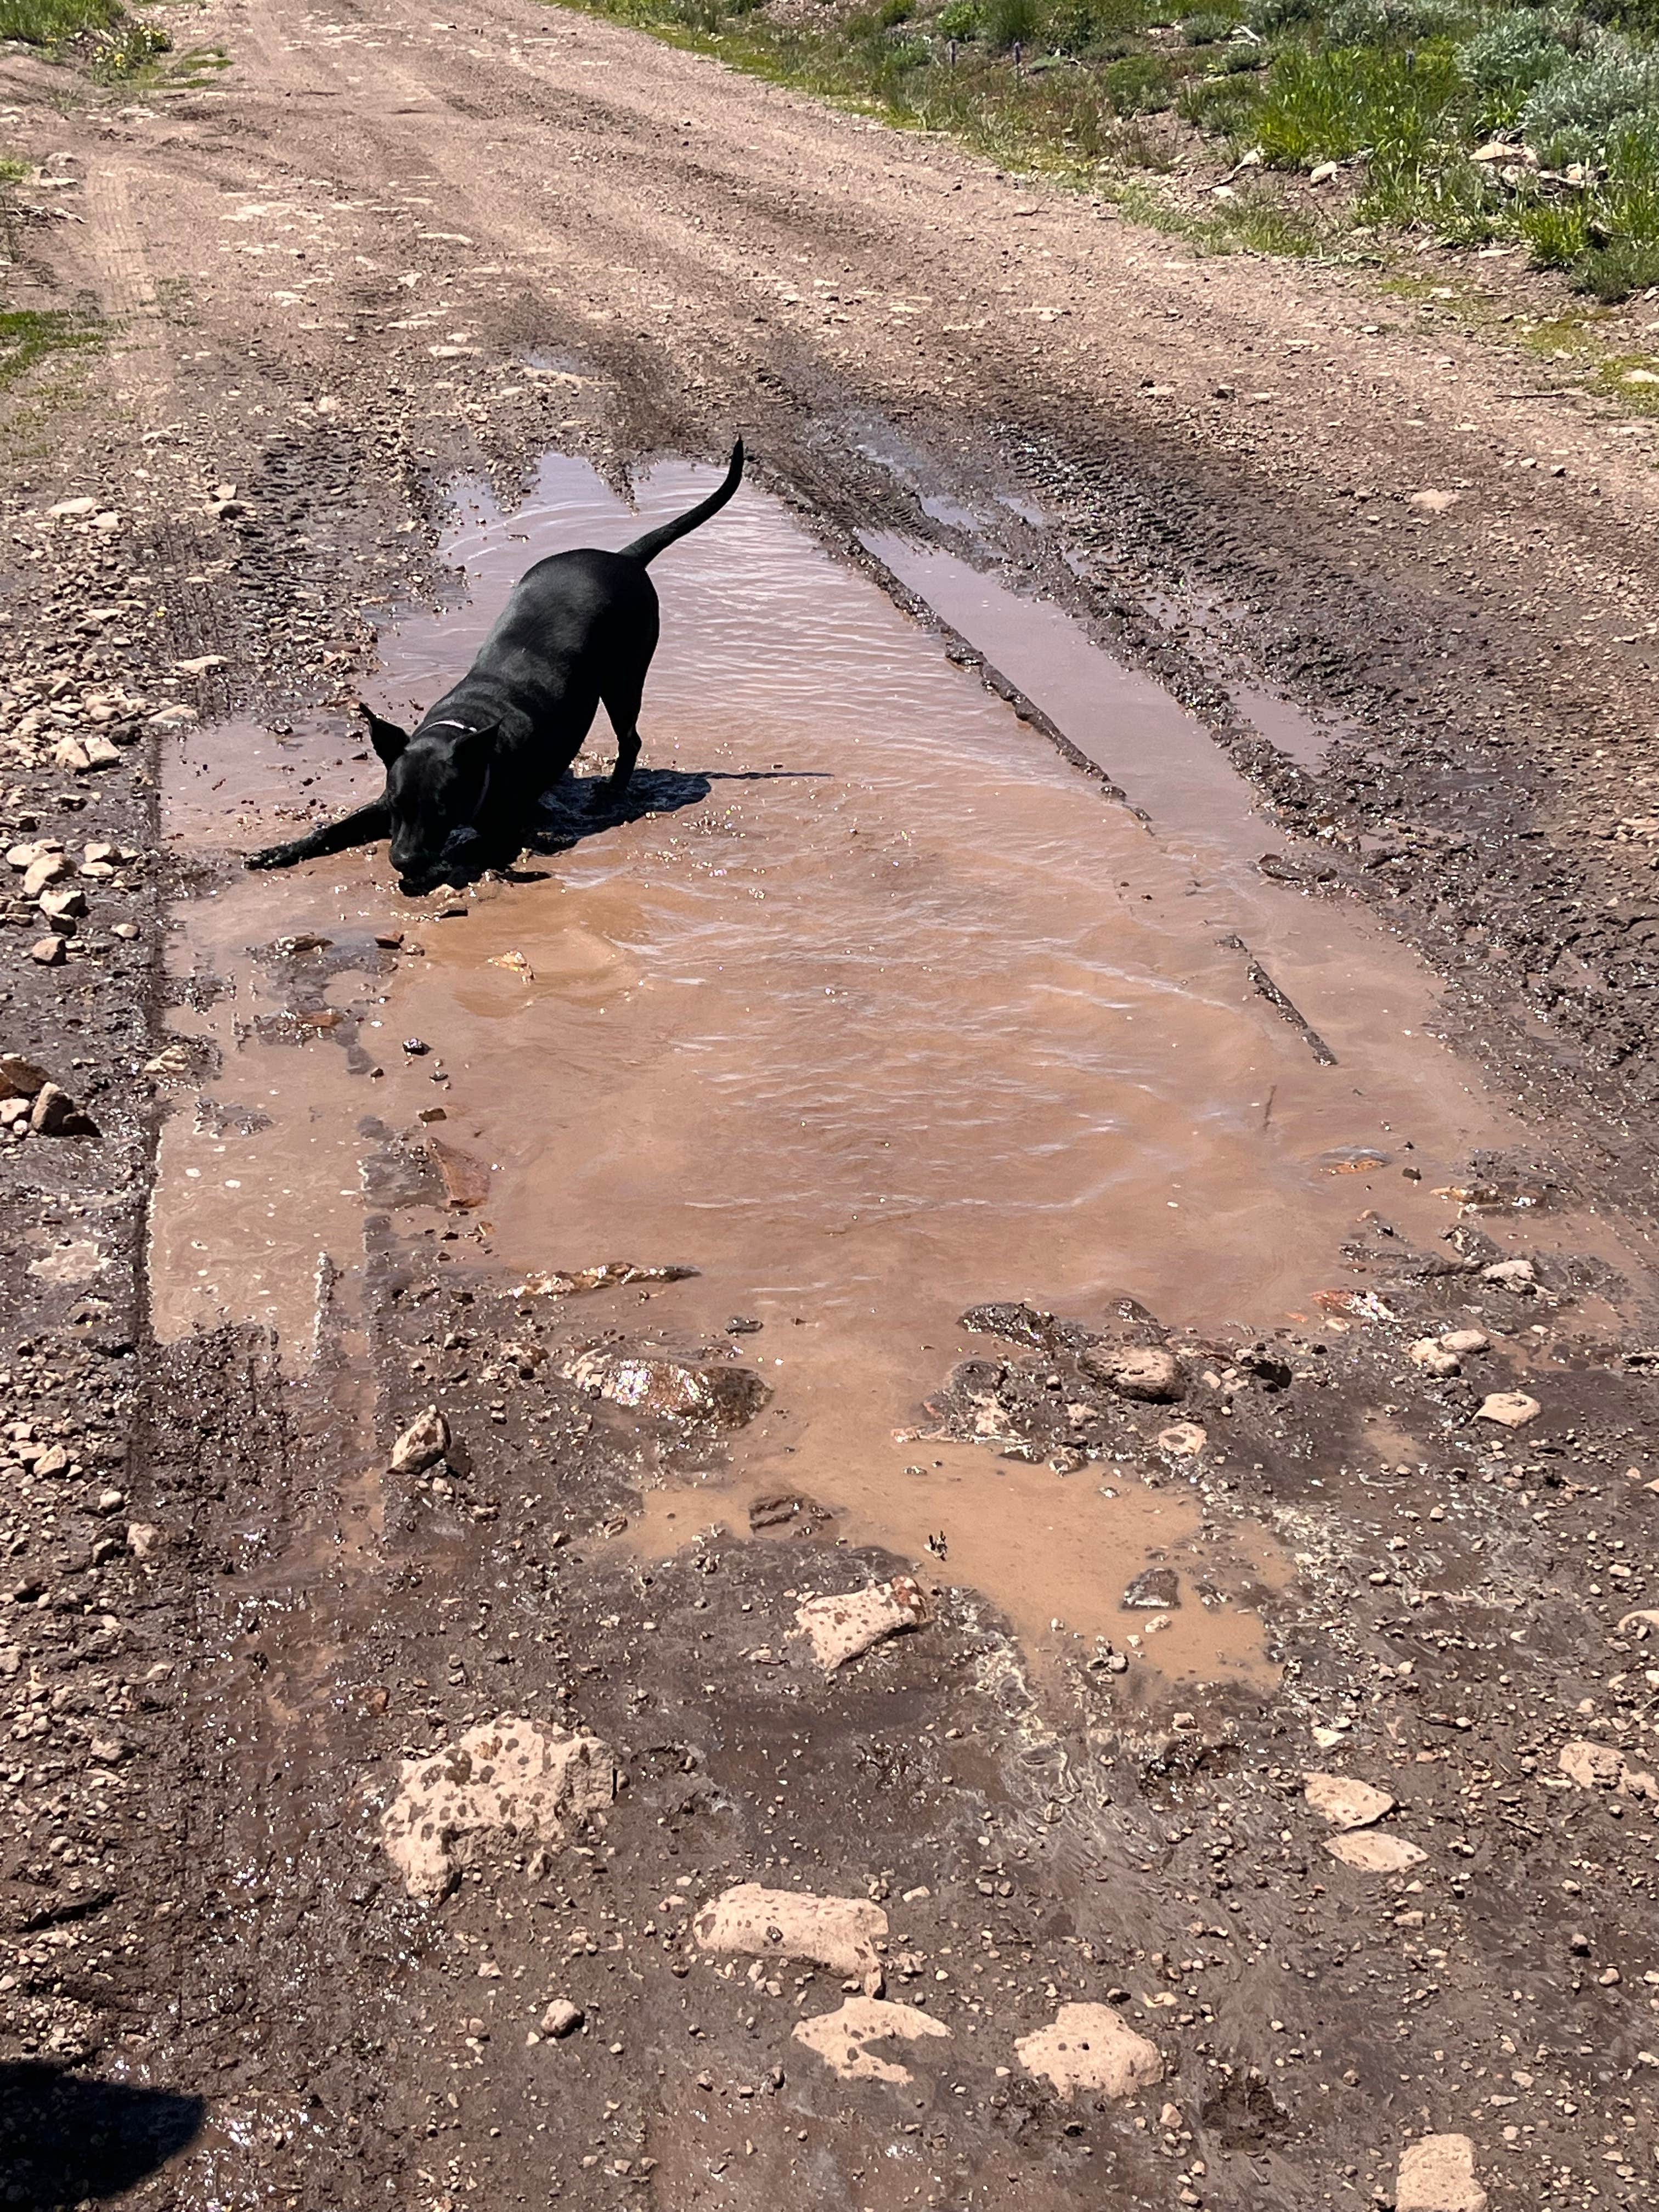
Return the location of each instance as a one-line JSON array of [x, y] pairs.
[[870, 1008]]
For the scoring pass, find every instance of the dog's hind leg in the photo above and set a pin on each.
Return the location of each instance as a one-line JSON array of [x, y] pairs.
[[621, 696], [360, 828]]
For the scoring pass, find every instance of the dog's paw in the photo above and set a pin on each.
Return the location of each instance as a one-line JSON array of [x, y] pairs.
[[273, 856]]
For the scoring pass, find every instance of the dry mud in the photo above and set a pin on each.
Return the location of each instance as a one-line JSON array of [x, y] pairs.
[[684, 1527]]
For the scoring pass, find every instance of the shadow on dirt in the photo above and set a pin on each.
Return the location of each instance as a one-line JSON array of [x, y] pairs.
[[67, 2140]]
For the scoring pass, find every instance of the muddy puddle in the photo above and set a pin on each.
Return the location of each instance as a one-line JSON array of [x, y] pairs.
[[874, 1009]]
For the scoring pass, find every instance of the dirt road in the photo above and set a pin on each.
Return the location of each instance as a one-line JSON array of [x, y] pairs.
[[1128, 980]]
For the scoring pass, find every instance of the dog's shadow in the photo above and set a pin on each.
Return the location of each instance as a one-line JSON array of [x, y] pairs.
[[68, 2139], [582, 807]]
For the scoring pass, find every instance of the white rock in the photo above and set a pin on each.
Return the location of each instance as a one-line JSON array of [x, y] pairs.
[[506, 1775], [143, 1539], [1465, 1339], [1433, 1358], [1344, 1802], [838, 1932], [173, 717], [421, 1444], [656, 1382], [44, 871], [1147, 1372], [1600, 1766], [1090, 2046], [200, 664], [841, 1628], [69, 753], [71, 507], [843, 2038], [1371, 1853], [1436, 2174], [561, 2018], [1517, 1275], [1511, 1409], [1643, 1620]]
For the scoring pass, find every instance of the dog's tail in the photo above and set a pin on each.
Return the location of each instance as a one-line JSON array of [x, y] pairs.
[[647, 548]]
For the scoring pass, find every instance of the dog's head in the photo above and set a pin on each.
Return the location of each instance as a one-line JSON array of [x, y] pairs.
[[435, 782]]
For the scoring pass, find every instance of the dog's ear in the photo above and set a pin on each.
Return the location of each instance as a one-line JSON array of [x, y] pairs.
[[387, 739]]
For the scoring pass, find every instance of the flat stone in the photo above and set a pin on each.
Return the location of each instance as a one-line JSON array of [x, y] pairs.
[[20, 1078], [1600, 1766], [1461, 1341], [843, 2038], [1344, 1802], [786, 1508], [1592, 1766], [1645, 1619], [1154, 1589], [1147, 1372], [1517, 1275], [840, 1933], [568, 1282], [505, 1776], [658, 1382], [1185, 1439], [1370, 1853], [421, 1444], [1090, 2046], [48, 952], [1436, 2174], [466, 1181], [844, 1627], [1511, 1409]]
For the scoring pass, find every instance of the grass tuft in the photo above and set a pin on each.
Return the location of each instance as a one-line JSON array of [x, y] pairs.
[[29, 336]]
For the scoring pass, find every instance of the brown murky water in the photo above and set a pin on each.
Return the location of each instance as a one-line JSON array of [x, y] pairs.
[[878, 1009]]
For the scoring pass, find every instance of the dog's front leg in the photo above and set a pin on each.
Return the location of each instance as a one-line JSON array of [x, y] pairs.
[[360, 828]]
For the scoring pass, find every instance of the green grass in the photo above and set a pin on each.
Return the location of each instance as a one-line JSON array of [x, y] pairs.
[[30, 336], [1401, 94], [54, 22], [1631, 381], [114, 46]]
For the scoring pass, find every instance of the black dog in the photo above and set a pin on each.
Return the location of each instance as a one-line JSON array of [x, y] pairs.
[[579, 628]]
